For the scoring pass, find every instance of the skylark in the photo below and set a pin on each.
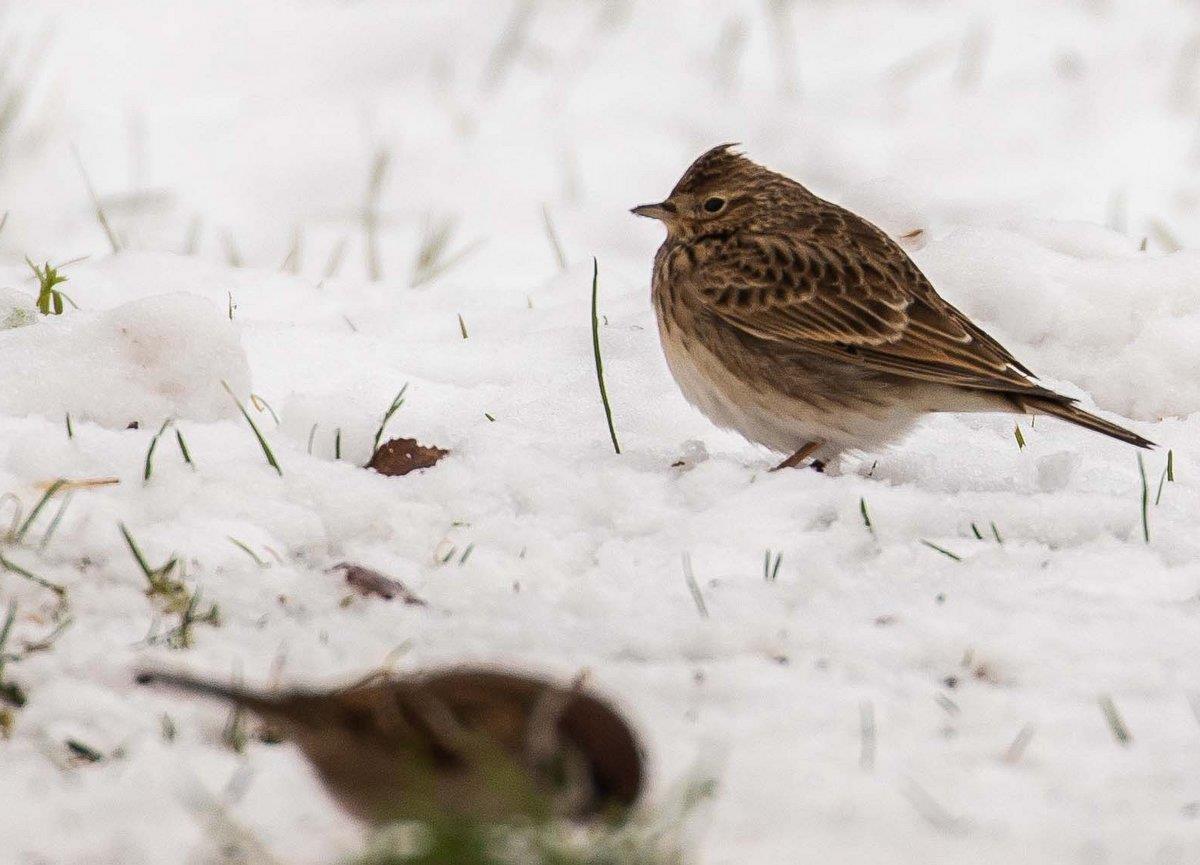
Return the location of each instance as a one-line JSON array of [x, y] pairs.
[[467, 743], [808, 330]]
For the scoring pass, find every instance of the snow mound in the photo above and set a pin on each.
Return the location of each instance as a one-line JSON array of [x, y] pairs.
[[146, 360]]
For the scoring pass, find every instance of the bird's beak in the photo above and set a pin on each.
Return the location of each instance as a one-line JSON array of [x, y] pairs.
[[663, 210]]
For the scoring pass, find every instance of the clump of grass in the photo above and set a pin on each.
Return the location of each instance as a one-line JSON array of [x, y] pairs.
[[262, 442], [191, 614], [50, 298], [158, 580], [433, 257], [771, 566], [650, 837], [612, 432]]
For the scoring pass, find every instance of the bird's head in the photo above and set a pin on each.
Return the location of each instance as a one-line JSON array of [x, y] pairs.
[[718, 193]]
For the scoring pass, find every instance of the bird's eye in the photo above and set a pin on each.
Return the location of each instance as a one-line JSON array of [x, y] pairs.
[[714, 204]]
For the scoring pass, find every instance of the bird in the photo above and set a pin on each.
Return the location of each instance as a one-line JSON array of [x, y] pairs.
[[470, 743], [807, 329]]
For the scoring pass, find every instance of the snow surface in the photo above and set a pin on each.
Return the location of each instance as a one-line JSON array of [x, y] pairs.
[[1034, 144]]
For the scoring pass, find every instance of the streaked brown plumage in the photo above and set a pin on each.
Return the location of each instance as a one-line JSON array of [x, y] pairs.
[[480, 744], [807, 329]]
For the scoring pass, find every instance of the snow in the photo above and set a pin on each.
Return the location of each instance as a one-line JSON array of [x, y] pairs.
[[1034, 145]]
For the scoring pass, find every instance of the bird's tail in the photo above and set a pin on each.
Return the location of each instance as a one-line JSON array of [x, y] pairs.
[[252, 700], [1068, 411]]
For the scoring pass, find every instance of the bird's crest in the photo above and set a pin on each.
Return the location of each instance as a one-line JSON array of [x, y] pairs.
[[716, 163]]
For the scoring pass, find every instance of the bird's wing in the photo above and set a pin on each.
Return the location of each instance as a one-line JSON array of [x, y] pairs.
[[844, 289]]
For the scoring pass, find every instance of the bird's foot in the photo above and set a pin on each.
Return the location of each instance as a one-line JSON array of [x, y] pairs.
[[800, 456]]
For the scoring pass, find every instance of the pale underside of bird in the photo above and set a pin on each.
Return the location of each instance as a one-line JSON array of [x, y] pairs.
[[482, 745], [807, 329]]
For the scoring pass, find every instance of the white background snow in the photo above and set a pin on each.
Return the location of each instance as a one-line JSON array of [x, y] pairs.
[[1039, 145]]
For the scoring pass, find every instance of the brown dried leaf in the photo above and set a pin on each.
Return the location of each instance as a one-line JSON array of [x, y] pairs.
[[401, 456], [368, 582]]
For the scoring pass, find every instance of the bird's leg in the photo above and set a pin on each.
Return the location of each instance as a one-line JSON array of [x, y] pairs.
[[800, 456]]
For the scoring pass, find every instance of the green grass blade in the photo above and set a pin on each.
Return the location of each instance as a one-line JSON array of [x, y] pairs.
[[599, 363], [262, 442], [148, 469], [942, 550], [1145, 499], [19, 535]]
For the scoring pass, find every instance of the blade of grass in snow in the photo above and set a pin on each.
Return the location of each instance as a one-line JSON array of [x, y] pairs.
[[291, 262], [941, 550], [5, 630], [266, 448], [771, 566], [560, 257], [337, 444], [261, 404], [370, 215], [1017, 749], [866, 516], [396, 402], [1115, 723], [183, 448], [462, 326], [1167, 475], [101, 216], [158, 578], [245, 548], [335, 258], [1019, 436], [53, 527], [866, 722], [19, 534], [975, 532], [70, 429], [14, 568], [693, 587], [1145, 499], [148, 469], [596, 350], [312, 433]]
